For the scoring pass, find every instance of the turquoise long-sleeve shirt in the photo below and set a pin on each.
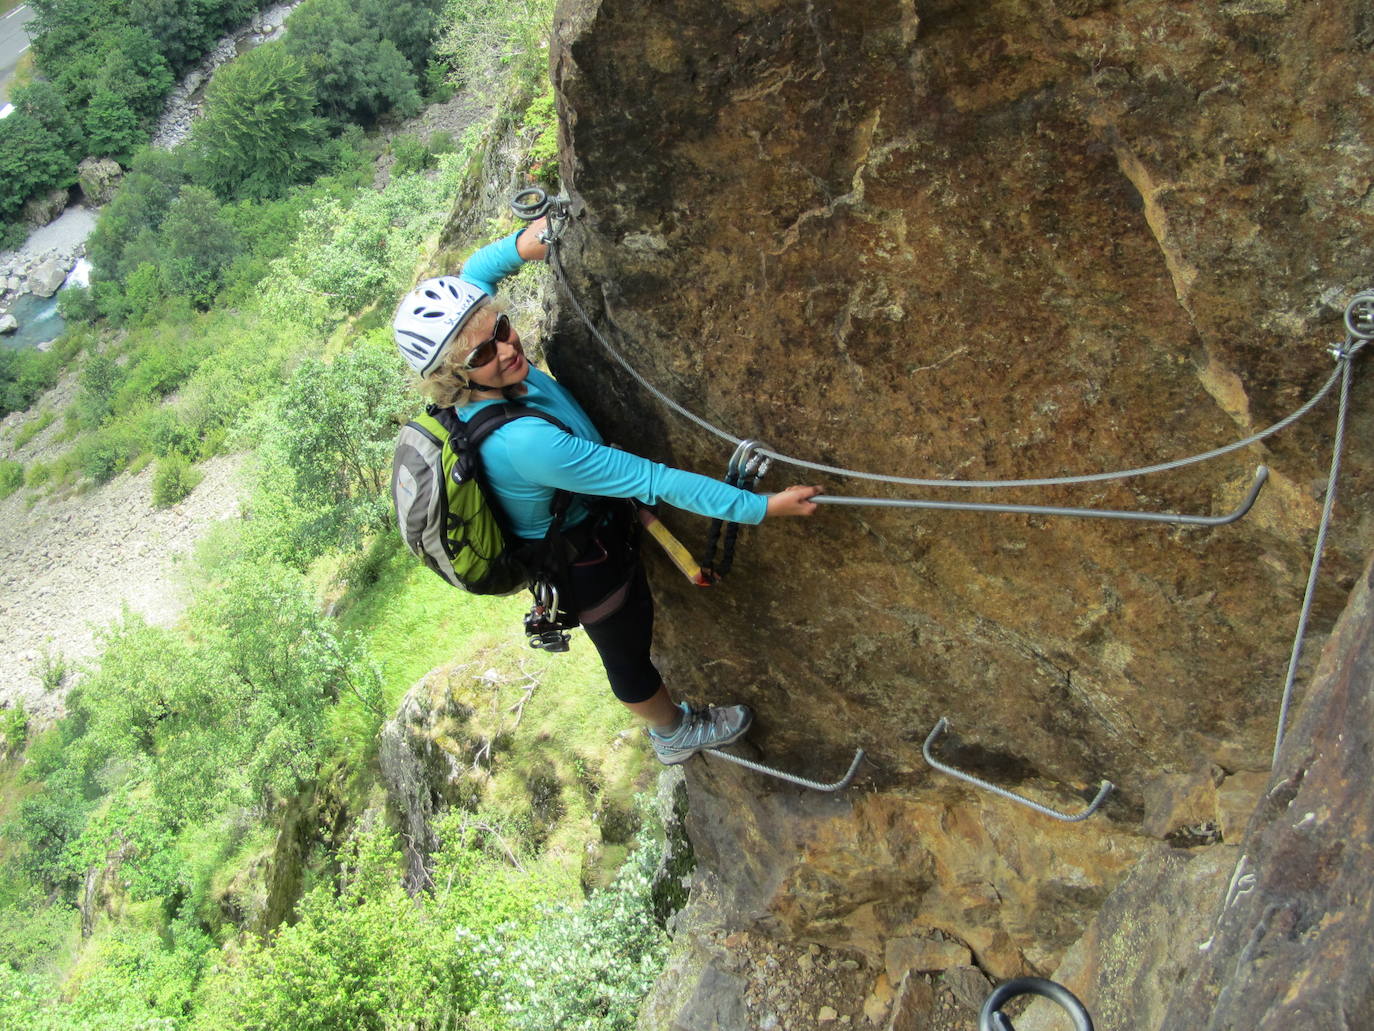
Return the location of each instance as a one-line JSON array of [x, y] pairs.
[[526, 461]]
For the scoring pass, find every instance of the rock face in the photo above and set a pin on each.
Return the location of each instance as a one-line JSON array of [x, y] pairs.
[[1272, 932], [983, 241]]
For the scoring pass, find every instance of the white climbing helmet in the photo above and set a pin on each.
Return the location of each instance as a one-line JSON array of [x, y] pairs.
[[430, 316]]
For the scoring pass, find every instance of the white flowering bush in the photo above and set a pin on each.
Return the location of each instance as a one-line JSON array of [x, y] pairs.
[[583, 968]]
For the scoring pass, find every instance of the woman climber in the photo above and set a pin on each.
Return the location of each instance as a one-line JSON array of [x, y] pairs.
[[468, 356]]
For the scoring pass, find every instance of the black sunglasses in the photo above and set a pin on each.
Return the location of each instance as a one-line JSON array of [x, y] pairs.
[[486, 350]]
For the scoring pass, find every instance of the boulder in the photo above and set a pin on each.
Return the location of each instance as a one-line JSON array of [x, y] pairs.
[[42, 209], [47, 278], [8, 323], [99, 178]]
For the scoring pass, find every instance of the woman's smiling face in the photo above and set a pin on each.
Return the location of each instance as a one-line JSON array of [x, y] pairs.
[[508, 366]]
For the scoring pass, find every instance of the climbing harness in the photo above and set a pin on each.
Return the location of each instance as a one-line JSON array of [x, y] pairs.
[[991, 1017], [792, 778], [943, 724]]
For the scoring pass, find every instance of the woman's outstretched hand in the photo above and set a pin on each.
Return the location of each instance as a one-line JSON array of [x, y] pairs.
[[794, 501]]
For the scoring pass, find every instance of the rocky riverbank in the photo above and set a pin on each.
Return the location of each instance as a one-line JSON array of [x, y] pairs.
[[184, 101], [42, 265]]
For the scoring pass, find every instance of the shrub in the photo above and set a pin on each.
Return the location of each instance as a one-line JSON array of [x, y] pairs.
[[52, 669], [173, 480], [77, 304], [581, 967], [37, 474], [102, 456], [410, 154], [259, 133], [14, 728], [164, 432], [100, 378], [11, 477], [541, 122]]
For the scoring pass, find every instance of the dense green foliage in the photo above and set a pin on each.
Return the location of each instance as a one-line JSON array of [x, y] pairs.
[[259, 132], [108, 66], [204, 841], [327, 449], [40, 144], [364, 57]]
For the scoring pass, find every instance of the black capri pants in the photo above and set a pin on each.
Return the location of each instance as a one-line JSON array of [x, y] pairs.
[[611, 594]]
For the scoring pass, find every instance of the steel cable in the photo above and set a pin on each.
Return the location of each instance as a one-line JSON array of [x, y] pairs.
[[1327, 508], [556, 263]]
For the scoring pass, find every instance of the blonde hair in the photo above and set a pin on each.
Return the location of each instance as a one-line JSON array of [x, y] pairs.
[[449, 385]]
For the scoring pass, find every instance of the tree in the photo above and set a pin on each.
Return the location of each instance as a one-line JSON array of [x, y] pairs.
[[31, 159], [183, 29], [113, 127], [43, 102], [199, 246], [358, 72], [259, 133], [331, 445]]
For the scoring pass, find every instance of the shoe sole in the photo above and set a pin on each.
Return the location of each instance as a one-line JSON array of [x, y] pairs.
[[679, 760]]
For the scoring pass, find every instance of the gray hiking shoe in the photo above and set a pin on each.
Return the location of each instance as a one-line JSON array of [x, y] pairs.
[[705, 727]]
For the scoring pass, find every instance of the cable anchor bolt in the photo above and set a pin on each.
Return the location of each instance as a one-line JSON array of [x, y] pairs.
[[1359, 316], [534, 202]]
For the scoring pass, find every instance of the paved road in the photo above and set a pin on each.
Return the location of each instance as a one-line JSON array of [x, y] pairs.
[[13, 42]]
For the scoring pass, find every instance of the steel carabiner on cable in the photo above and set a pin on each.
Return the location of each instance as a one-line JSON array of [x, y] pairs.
[[746, 465], [534, 202]]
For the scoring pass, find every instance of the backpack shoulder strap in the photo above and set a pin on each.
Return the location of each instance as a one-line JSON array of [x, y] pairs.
[[490, 419]]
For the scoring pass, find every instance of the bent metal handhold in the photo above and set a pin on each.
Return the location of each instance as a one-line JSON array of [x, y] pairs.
[[814, 785], [1261, 477], [1102, 791]]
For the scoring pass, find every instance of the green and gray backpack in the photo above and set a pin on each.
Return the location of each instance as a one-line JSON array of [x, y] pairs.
[[442, 508]]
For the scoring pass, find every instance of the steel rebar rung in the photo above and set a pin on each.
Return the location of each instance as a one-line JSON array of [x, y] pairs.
[[1103, 789], [791, 778]]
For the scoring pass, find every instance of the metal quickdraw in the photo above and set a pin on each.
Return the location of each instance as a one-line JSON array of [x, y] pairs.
[[544, 625], [746, 468]]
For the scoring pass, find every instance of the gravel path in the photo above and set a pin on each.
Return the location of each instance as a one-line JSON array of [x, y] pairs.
[[70, 566]]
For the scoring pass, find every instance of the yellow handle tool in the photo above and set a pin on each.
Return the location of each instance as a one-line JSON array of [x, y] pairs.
[[674, 549]]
